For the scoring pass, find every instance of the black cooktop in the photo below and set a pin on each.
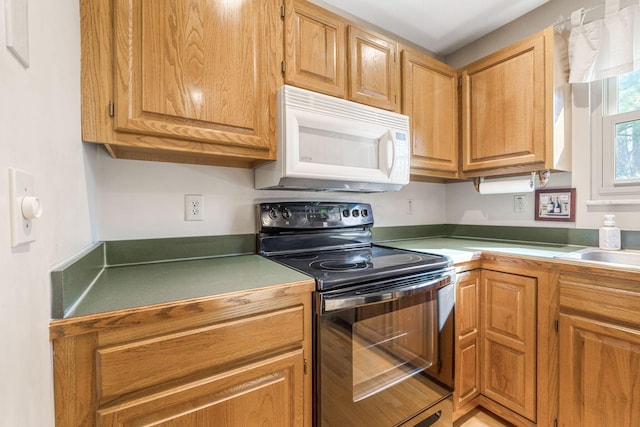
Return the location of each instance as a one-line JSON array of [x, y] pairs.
[[343, 267]]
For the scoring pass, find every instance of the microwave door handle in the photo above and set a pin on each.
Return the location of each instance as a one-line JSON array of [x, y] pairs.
[[388, 150]]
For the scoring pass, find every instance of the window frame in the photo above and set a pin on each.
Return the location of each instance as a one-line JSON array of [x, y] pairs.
[[604, 118]]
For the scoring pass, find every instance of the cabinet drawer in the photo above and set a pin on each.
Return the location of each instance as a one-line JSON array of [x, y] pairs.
[[139, 364], [607, 297]]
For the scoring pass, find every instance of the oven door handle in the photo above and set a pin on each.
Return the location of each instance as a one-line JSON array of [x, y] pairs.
[[357, 298]]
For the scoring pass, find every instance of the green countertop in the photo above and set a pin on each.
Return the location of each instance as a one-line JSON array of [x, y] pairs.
[[462, 250], [92, 286], [131, 286], [119, 275]]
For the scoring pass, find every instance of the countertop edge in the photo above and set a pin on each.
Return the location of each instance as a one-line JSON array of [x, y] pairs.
[[59, 328]]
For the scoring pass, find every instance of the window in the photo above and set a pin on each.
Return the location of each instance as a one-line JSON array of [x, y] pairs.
[[616, 141]]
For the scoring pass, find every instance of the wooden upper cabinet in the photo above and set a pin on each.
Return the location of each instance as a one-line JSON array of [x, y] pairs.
[[508, 109], [429, 98], [315, 53], [374, 69], [188, 80]]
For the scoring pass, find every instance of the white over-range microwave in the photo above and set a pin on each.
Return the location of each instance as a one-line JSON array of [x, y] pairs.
[[327, 143]]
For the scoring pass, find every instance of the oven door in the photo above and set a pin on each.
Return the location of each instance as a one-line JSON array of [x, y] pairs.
[[384, 354]]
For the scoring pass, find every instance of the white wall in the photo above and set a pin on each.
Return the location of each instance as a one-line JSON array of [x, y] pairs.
[[138, 199], [466, 207], [40, 133]]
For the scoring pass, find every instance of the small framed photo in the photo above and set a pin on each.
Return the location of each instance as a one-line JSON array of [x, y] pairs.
[[556, 204]]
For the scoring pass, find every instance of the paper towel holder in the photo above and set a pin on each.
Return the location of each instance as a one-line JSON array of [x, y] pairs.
[[544, 176]]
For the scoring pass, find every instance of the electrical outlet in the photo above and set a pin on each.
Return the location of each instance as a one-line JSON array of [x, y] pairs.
[[193, 207], [518, 204], [409, 207]]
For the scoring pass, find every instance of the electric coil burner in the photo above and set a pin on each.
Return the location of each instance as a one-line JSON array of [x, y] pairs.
[[383, 317]]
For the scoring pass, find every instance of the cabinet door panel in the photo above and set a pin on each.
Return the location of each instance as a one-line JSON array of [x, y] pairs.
[[265, 393], [599, 373], [508, 335], [193, 70], [315, 48], [468, 375], [503, 108], [429, 98], [374, 70], [467, 352]]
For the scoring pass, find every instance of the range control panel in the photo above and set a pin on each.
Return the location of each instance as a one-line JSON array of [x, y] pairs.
[[314, 215]]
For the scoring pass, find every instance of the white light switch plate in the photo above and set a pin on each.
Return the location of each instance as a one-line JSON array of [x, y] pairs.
[[20, 185], [17, 26]]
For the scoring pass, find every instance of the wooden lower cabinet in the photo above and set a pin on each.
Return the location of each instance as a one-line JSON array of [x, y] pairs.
[[508, 340], [467, 344], [599, 351], [499, 327], [233, 361], [263, 393]]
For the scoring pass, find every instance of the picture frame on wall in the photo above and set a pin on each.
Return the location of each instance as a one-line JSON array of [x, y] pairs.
[[556, 204]]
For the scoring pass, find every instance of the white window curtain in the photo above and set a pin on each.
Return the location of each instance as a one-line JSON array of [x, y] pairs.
[[605, 47]]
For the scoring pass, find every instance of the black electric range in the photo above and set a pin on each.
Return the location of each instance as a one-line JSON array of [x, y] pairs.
[[332, 242]]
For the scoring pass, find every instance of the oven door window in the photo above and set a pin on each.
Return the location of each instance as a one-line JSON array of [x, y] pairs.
[[390, 347], [376, 364]]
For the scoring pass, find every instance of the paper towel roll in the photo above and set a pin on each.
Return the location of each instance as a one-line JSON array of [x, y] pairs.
[[524, 185]]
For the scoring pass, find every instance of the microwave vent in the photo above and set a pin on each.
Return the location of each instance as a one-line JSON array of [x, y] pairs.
[[320, 104]]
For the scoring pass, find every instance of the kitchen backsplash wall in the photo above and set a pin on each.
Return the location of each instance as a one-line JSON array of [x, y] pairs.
[[137, 200], [466, 206]]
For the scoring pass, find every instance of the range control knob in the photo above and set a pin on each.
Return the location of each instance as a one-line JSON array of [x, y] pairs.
[[346, 213], [286, 213], [365, 212], [273, 213], [355, 213]]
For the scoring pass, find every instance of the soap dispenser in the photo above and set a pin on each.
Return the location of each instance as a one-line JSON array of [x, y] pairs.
[[609, 234]]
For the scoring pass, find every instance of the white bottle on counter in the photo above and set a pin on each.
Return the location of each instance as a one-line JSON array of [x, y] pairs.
[[609, 234]]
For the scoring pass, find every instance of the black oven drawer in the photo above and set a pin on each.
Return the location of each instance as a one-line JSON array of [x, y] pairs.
[[439, 415]]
